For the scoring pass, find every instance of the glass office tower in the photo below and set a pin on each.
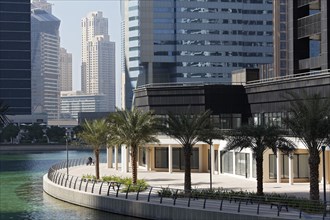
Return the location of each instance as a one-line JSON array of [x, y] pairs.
[[15, 55], [194, 41]]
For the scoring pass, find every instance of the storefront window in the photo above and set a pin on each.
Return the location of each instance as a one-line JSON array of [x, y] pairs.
[[161, 157], [227, 162], [272, 166], [242, 164], [178, 159]]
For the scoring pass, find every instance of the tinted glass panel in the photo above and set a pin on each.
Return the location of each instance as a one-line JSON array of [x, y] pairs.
[[13, 26], [12, 74], [14, 35], [15, 45], [15, 84], [14, 7], [15, 64], [14, 54], [14, 93]]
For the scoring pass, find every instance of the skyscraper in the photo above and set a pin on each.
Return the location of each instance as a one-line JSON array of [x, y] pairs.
[[194, 41], [65, 70], [98, 58], [15, 55], [45, 62]]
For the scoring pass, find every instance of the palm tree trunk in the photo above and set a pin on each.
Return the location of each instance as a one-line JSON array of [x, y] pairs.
[[314, 161], [259, 165], [97, 163], [134, 164], [187, 168]]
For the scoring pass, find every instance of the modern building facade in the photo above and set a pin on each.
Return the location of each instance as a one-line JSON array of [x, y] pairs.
[[15, 55], [231, 106], [74, 102], [98, 59], [308, 27], [194, 41], [65, 70], [45, 62]]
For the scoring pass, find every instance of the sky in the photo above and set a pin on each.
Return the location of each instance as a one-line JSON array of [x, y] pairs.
[[70, 13]]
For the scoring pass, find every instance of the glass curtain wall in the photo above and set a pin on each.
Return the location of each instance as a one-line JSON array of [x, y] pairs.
[[300, 166], [227, 162], [161, 158], [242, 164]]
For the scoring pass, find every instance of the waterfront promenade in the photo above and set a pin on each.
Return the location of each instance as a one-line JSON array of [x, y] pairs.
[[202, 180], [153, 204]]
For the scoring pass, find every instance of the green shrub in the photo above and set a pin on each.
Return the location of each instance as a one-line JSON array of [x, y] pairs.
[[127, 181], [88, 177]]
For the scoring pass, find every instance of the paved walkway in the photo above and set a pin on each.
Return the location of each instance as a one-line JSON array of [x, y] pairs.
[[201, 180]]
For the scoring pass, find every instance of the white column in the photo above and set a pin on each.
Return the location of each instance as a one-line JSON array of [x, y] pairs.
[[200, 159], [278, 166], [148, 158], [234, 163], [170, 162], [290, 169], [124, 159], [219, 161], [251, 164], [212, 158], [116, 157], [109, 157]]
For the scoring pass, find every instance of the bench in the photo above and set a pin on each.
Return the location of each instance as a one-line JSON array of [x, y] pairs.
[[279, 206], [247, 199]]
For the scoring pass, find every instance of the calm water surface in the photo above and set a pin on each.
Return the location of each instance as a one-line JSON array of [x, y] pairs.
[[21, 194]]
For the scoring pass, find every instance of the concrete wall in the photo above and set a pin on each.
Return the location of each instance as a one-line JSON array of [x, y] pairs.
[[137, 208]]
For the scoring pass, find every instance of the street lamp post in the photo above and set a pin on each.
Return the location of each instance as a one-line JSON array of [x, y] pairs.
[[67, 153], [324, 181]]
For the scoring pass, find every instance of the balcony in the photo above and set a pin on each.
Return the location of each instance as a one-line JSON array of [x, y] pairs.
[[314, 4], [310, 25], [310, 63]]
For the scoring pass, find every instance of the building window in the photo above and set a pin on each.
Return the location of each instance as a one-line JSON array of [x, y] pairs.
[[142, 156], [242, 164], [161, 157], [272, 166], [300, 166], [178, 159], [226, 162]]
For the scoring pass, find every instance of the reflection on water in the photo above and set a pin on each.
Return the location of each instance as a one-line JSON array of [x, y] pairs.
[[21, 194]]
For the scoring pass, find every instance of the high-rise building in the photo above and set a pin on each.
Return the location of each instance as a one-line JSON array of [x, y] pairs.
[[42, 4], [15, 55], [98, 59], [194, 41], [73, 102], [308, 26], [65, 70], [45, 62]]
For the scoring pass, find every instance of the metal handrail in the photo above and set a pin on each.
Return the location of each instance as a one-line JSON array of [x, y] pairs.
[[217, 200]]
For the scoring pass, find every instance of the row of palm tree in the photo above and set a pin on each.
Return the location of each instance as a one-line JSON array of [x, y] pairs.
[[309, 121]]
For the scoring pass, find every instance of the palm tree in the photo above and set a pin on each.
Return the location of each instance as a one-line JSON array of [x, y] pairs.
[[95, 134], [187, 129], [133, 128], [309, 120], [3, 110], [258, 138]]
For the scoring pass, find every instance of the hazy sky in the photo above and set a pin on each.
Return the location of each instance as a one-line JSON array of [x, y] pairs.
[[70, 13]]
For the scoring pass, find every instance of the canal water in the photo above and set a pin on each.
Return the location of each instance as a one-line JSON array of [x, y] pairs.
[[21, 194]]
